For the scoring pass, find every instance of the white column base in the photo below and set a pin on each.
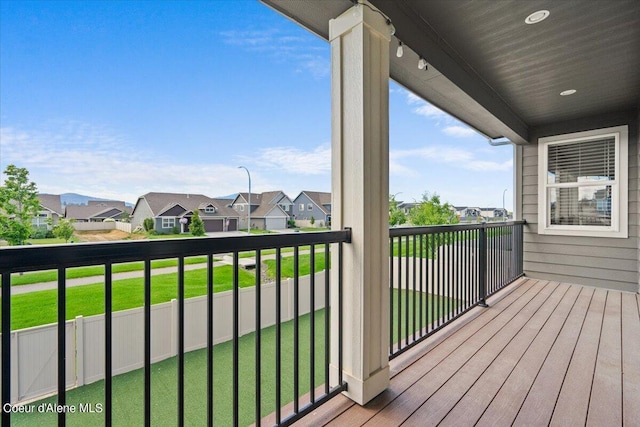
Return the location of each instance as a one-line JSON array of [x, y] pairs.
[[361, 391]]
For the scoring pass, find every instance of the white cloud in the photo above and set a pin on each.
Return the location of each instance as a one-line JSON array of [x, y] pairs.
[[81, 158], [459, 131], [457, 157], [283, 46], [295, 160]]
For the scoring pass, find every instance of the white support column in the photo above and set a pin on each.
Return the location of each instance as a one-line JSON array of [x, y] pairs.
[[360, 192]]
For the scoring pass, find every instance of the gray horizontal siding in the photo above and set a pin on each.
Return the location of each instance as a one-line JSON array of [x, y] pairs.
[[592, 261]]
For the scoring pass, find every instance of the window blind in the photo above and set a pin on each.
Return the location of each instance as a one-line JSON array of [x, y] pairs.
[[581, 161]]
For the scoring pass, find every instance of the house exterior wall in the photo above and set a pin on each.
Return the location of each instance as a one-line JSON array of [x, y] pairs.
[[141, 211], [592, 261], [306, 214]]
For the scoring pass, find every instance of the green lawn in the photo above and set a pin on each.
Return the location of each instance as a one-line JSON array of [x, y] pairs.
[[128, 391], [304, 265], [128, 388], [40, 308], [74, 273]]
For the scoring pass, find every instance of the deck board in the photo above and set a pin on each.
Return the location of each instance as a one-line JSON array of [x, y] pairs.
[[415, 395], [605, 405], [440, 403], [538, 407], [631, 359], [543, 353]]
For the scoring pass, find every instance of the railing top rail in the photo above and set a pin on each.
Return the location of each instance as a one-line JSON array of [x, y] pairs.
[[44, 257], [432, 229]]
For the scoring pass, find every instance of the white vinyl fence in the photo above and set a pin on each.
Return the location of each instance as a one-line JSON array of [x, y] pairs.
[[34, 350], [102, 226]]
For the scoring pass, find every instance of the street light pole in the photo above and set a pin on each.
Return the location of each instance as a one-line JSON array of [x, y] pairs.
[[248, 213]]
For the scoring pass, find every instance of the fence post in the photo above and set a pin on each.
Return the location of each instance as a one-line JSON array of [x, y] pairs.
[[483, 266], [79, 342]]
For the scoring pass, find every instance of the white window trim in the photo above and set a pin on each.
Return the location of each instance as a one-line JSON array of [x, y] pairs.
[[168, 220], [619, 198]]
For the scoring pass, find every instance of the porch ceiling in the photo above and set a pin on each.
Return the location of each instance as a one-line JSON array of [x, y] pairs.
[[496, 73]]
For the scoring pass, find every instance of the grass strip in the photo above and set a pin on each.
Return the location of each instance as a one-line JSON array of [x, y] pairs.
[[40, 308], [98, 270]]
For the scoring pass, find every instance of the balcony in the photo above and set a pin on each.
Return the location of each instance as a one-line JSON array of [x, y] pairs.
[[437, 275]]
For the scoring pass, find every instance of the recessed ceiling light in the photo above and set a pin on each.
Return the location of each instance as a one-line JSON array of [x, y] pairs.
[[568, 92], [536, 17]]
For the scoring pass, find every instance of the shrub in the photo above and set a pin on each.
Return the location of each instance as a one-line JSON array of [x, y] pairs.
[[175, 230], [313, 220], [41, 233], [109, 220], [148, 224], [291, 223]]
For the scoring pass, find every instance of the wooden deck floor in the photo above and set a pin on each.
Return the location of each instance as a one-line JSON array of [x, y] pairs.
[[543, 353]]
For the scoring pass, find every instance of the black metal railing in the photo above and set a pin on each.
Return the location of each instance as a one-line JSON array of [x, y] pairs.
[[63, 257], [438, 273]]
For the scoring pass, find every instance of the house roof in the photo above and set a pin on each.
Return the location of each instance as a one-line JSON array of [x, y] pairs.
[[51, 202], [265, 209], [320, 199], [256, 198], [161, 202], [99, 210], [491, 70]]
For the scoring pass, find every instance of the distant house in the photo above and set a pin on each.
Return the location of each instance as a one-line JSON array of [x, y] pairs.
[[269, 210], [468, 213], [312, 204], [173, 212], [50, 210], [407, 206], [98, 211]]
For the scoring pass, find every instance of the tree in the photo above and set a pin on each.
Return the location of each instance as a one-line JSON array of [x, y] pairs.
[[313, 220], [19, 204], [432, 211], [64, 229], [197, 226], [396, 215]]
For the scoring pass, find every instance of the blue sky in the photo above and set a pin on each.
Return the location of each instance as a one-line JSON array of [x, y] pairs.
[[117, 99]]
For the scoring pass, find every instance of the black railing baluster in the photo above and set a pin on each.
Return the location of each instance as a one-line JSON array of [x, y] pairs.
[[236, 340], [108, 340], [399, 308], [296, 329], [278, 335], [6, 347], [258, 337], [62, 344], [210, 272], [422, 295], [406, 291], [180, 341], [340, 313], [391, 290], [327, 316], [147, 342], [312, 322], [414, 295]]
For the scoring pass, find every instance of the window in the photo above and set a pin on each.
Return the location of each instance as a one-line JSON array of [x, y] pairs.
[[242, 208], [210, 209], [583, 181], [168, 222], [309, 207], [301, 207]]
